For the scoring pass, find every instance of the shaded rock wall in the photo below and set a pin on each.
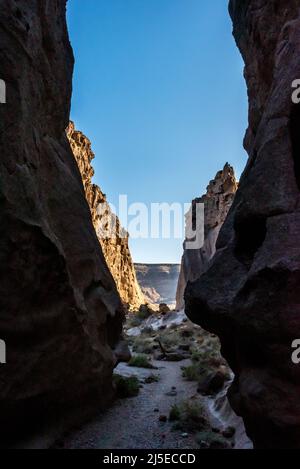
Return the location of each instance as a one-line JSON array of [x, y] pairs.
[[115, 248], [250, 294], [217, 202], [60, 312]]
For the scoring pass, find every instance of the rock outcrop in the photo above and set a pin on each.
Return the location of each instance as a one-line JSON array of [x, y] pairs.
[[60, 313], [217, 202], [250, 295], [158, 282], [112, 237]]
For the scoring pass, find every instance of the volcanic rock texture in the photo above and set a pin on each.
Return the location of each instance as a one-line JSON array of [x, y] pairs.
[[112, 237], [217, 202], [60, 312], [250, 295]]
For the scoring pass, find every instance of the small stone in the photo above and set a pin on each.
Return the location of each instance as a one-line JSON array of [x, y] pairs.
[[171, 394], [164, 309], [163, 418], [184, 435], [216, 430], [204, 445], [229, 432]]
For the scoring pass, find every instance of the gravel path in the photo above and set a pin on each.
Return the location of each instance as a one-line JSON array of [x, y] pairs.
[[134, 423]]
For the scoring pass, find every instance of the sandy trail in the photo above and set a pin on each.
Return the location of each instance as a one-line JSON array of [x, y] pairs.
[[133, 423]]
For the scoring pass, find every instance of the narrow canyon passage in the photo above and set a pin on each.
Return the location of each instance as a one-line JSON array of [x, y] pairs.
[[97, 351], [145, 421], [134, 423]]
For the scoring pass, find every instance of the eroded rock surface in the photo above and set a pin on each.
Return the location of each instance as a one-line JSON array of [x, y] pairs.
[[158, 282], [217, 202], [250, 294], [60, 313], [113, 238]]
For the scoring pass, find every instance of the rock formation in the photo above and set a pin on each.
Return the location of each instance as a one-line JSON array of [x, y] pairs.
[[250, 294], [158, 281], [60, 313], [114, 239], [217, 202]]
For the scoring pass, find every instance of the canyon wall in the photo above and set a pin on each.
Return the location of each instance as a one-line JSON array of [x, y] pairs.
[[158, 281], [217, 202], [250, 294], [60, 313], [112, 237]]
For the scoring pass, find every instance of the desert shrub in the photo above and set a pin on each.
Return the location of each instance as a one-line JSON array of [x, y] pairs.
[[192, 372], [190, 416], [174, 413], [144, 312], [169, 338], [142, 345], [126, 387], [133, 320], [210, 440], [152, 379], [140, 361]]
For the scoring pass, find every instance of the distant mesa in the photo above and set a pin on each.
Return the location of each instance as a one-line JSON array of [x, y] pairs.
[[158, 282]]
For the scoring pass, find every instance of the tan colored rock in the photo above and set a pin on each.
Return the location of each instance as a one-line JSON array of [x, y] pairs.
[[60, 313], [115, 248], [217, 202]]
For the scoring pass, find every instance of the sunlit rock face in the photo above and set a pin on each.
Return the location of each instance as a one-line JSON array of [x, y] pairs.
[[60, 313], [250, 295], [112, 237], [217, 202]]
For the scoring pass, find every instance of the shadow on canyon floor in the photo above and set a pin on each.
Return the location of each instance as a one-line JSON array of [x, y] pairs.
[[180, 401]]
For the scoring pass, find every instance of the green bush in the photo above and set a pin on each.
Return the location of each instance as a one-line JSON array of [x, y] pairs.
[[169, 338], [211, 440], [126, 387], [191, 416], [192, 372], [140, 361], [144, 312], [142, 345], [174, 413]]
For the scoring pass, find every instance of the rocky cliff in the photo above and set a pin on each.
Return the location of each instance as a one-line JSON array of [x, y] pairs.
[[250, 294], [60, 313], [158, 281], [112, 237], [217, 202]]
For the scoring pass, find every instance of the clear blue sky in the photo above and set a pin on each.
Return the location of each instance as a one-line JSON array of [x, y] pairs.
[[159, 90]]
